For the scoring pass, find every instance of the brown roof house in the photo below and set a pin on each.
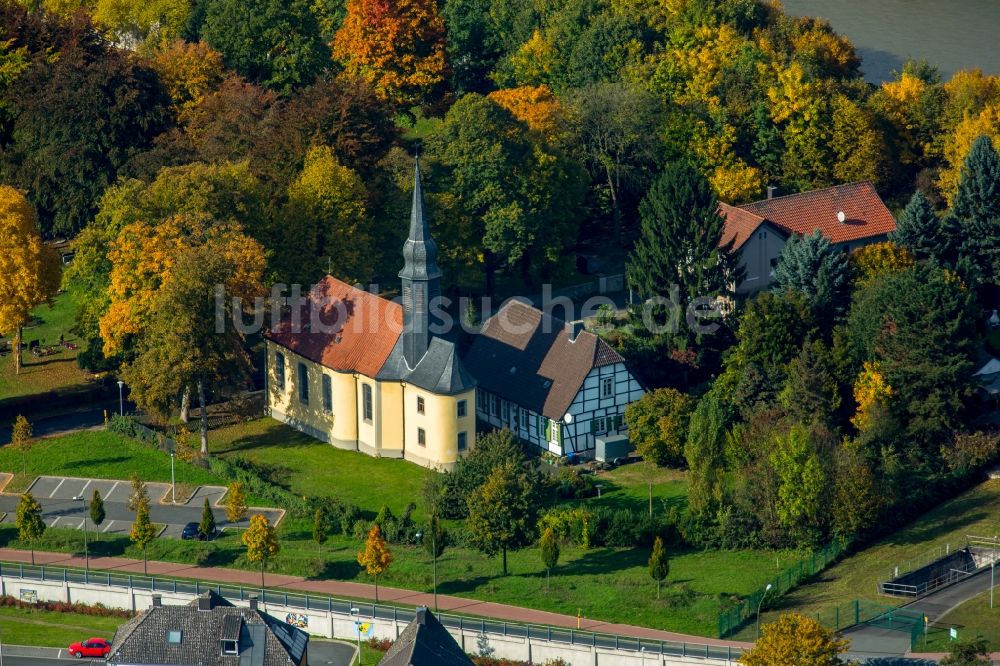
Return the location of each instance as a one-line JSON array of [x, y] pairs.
[[849, 215], [425, 642], [209, 632], [553, 384]]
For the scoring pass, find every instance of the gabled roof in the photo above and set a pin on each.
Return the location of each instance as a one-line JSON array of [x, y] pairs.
[[356, 333], [865, 214], [262, 640], [529, 357], [425, 642]]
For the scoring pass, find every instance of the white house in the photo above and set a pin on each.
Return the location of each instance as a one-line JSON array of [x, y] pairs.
[[851, 216], [553, 384]]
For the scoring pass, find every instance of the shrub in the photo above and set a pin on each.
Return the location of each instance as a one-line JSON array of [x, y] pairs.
[[97, 610], [250, 474]]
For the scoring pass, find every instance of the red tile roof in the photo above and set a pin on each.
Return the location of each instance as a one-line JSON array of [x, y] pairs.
[[865, 214], [352, 331]]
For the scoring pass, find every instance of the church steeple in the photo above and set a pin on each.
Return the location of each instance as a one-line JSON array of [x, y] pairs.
[[420, 277]]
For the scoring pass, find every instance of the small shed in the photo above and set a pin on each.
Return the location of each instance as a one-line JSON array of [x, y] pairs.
[[612, 447]]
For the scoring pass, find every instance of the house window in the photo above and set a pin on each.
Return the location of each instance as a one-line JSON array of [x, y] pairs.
[[279, 370], [303, 384], [327, 394], [524, 419], [539, 425], [494, 405], [229, 647], [366, 400], [420, 405], [607, 387], [421, 437], [598, 426], [174, 636], [505, 410], [463, 442], [461, 408]]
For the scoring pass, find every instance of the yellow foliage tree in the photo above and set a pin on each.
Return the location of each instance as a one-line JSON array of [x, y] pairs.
[[397, 46], [533, 63], [135, 23], [29, 269], [188, 71], [261, 541], [959, 143], [536, 107], [878, 259], [375, 557], [795, 640], [871, 392]]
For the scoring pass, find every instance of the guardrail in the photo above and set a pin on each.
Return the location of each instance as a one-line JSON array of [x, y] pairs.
[[376, 611], [925, 588]]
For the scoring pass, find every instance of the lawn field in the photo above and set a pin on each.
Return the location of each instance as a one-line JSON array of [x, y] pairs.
[[39, 375], [975, 512], [96, 454], [972, 619], [24, 626]]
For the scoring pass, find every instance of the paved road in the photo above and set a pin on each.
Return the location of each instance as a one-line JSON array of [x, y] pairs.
[[877, 641], [84, 418], [59, 509]]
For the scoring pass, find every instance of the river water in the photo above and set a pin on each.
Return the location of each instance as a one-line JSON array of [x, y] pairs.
[[952, 34]]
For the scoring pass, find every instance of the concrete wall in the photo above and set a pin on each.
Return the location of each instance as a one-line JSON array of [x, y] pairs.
[[341, 626]]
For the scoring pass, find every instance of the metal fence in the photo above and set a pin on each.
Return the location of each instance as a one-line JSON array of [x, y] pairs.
[[744, 611], [857, 612], [375, 611]]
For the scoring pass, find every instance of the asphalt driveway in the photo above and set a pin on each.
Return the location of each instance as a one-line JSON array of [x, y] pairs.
[[59, 509]]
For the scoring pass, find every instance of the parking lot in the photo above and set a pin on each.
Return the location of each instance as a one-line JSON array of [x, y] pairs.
[[59, 509]]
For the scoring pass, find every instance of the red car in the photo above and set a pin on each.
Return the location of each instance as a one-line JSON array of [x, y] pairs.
[[92, 647]]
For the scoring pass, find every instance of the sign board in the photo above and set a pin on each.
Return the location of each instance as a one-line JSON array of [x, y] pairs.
[[29, 596], [300, 620], [363, 629], [953, 633]]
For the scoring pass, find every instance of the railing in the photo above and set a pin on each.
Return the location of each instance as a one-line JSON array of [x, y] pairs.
[[329, 604], [734, 618], [903, 590]]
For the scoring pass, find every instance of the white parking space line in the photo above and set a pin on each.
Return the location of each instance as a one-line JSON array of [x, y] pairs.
[[84, 489], [110, 523], [55, 520], [111, 492], [53, 493]]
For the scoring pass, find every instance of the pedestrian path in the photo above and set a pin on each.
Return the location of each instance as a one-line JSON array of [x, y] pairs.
[[354, 590]]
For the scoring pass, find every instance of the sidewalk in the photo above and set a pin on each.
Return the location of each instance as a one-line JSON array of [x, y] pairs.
[[388, 595]]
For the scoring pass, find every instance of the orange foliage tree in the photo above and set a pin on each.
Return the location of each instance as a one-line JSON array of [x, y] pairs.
[[536, 107], [397, 46], [376, 557], [188, 71]]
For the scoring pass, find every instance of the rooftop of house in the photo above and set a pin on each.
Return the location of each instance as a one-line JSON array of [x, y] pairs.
[[425, 642], [533, 359], [211, 632], [843, 213]]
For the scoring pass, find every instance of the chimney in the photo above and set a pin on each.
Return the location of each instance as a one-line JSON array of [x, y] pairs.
[[205, 601], [770, 191], [253, 602], [157, 601], [575, 329], [421, 615], [841, 216]]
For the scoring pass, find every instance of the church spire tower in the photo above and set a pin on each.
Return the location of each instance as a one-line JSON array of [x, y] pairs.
[[421, 279]]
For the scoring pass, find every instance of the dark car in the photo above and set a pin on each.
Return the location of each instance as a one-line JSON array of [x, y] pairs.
[[92, 647], [191, 531]]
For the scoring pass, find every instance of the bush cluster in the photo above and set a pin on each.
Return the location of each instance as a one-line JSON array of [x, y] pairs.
[[97, 610], [612, 528]]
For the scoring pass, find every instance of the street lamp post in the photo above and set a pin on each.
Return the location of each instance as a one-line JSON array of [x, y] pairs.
[[121, 401], [766, 590], [434, 564], [86, 549], [356, 613], [173, 483]]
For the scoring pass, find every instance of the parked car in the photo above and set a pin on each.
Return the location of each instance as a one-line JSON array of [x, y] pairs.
[[92, 647], [192, 531]]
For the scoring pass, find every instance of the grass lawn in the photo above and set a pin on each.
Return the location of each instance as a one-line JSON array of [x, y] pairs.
[[309, 467], [627, 487], [50, 372], [24, 626], [975, 512], [97, 454], [973, 618]]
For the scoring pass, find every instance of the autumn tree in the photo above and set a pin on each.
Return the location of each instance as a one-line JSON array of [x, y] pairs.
[[375, 557], [538, 108], [871, 262], [272, 42], [236, 502], [21, 440], [206, 527], [397, 47], [138, 493], [659, 564], [97, 512], [548, 549], [28, 519], [658, 424], [136, 23], [29, 270], [188, 71], [261, 541], [143, 531], [503, 512], [871, 393], [795, 640]]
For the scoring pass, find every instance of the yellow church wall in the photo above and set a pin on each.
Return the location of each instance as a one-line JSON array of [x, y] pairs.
[[286, 403], [368, 428], [345, 407], [441, 425], [391, 410]]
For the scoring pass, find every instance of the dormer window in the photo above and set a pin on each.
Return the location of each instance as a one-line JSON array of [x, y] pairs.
[[230, 647], [174, 637]]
